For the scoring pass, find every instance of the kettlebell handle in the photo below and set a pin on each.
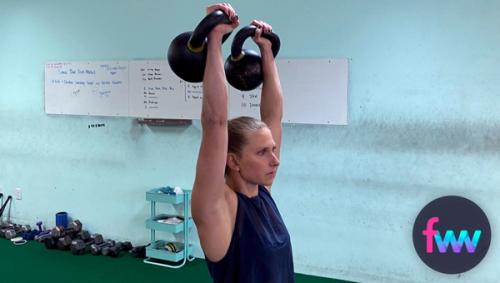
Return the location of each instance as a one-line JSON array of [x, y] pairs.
[[196, 42], [246, 32]]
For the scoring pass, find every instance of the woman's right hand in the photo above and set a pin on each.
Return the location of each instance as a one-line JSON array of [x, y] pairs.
[[228, 10], [262, 27]]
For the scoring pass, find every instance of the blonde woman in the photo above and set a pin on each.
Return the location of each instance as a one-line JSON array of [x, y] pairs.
[[240, 228]]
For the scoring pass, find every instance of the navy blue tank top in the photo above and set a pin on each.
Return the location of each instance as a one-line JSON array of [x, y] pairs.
[[260, 250]]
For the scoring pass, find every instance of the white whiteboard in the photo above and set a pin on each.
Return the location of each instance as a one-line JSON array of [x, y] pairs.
[[156, 92], [314, 90], [87, 88]]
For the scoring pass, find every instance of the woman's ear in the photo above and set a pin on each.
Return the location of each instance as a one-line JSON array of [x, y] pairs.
[[232, 161]]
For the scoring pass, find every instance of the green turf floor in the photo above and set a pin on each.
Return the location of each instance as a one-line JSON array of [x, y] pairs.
[[32, 262]]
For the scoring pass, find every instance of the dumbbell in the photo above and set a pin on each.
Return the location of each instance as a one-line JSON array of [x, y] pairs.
[[33, 233], [139, 251], [115, 250], [73, 228], [16, 230], [79, 246], [49, 242], [96, 249], [42, 235], [64, 243], [4, 225], [4, 228]]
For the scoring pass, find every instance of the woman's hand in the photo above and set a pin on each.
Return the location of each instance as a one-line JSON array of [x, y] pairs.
[[262, 27], [222, 29]]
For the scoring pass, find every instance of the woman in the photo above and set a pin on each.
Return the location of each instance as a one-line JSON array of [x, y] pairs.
[[240, 229]]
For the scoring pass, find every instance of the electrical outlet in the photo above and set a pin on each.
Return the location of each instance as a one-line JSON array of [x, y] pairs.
[[19, 194]]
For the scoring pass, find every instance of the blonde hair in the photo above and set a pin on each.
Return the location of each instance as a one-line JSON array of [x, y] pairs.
[[238, 130]]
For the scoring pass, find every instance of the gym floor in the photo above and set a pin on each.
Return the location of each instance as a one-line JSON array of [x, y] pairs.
[[32, 262]]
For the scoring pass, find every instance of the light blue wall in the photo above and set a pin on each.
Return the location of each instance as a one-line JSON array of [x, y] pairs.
[[424, 121]]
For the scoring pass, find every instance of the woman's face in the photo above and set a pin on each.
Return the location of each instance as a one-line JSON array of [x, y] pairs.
[[258, 161]]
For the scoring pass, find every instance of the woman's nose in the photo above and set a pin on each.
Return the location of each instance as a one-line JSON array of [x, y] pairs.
[[275, 161]]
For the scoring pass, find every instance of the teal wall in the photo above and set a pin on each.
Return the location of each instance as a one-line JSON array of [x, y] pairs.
[[424, 121]]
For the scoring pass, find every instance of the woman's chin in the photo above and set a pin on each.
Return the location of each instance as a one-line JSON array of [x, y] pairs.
[[268, 181]]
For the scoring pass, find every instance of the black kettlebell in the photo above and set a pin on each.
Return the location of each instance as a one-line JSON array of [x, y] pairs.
[[244, 66], [187, 53]]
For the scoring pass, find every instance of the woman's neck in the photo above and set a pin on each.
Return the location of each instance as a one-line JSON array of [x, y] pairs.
[[238, 184]]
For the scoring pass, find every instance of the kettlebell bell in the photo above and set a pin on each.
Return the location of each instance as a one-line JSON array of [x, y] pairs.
[[187, 53], [243, 67]]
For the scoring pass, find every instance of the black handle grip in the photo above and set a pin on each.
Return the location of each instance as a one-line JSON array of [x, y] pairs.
[[201, 31], [248, 31]]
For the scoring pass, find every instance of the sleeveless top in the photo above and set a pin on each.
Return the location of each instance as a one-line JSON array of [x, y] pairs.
[[260, 250]]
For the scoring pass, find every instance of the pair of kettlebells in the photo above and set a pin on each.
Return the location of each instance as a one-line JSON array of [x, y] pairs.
[[187, 54]]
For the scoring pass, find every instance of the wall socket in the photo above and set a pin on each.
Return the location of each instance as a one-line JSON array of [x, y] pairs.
[[19, 194]]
